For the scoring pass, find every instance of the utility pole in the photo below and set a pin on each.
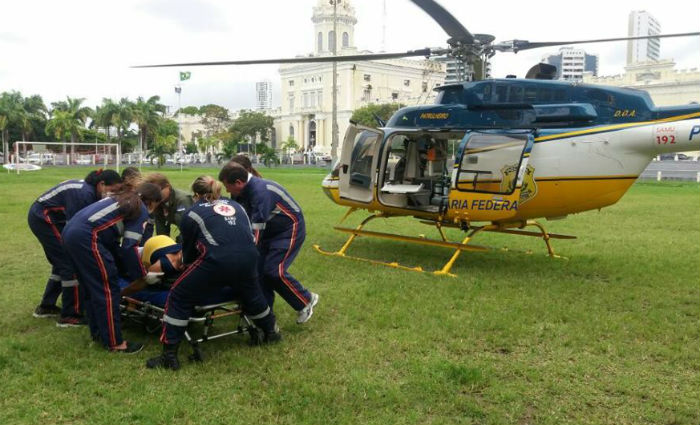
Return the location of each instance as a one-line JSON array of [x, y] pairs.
[[334, 130]]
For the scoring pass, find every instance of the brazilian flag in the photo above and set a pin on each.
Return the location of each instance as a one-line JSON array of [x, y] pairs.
[[185, 75]]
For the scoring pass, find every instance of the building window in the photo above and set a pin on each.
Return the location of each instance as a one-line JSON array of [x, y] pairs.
[[291, 131], [291, 103], [319, 42], [291, 83], [367, 77], [406, 83], [346, 40], [394, 96], [331, 41], [319, 95], [424, 86]]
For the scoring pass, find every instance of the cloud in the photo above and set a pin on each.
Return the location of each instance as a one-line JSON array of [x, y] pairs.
[[6, 37], [190, 15]]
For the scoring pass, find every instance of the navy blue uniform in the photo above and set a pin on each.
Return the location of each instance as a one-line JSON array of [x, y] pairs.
[[217, 243], [99, 240], [47, 217], [280, 231]]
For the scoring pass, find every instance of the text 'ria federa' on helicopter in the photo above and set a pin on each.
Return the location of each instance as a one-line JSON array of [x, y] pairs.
[[526, 148]]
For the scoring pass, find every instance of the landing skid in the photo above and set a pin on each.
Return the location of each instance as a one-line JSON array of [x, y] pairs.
[[458, 247]]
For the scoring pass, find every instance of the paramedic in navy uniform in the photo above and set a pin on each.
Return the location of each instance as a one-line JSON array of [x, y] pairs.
[[47, 218], [279, 228], [217, 244], [102, 239]]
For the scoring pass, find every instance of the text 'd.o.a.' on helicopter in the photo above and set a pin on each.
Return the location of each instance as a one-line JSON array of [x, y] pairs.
[[524, 149]]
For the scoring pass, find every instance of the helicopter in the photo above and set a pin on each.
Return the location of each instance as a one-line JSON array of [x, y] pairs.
[[525, 149]]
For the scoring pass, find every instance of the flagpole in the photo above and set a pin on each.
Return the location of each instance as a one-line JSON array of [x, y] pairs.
[[179, 125]]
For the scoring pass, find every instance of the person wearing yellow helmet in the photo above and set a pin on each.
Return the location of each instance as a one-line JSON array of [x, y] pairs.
[[161, 254]]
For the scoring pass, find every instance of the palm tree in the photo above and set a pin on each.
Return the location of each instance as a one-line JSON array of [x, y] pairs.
[[103, 116], [146, 114], [61, 125], [77, 113], [122, 118], [11, 112], [36, 114]]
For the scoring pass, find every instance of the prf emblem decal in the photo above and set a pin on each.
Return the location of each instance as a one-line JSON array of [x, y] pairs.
[[529, 187], [509, 173], [225, 210]]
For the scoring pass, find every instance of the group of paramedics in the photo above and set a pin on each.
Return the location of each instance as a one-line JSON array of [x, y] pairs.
[[108, 236]]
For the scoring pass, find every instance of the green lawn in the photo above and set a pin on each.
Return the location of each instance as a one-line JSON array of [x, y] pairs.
[[609, 336]]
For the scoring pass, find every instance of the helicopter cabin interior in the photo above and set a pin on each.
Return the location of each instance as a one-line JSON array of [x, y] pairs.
[[416, 168]]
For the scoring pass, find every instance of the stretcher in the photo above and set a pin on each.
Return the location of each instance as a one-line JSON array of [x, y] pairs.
[[146, 308]]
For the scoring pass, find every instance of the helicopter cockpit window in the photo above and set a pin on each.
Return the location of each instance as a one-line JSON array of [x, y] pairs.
[[501, 95], [450, 96], [361, 159], [490, 163], [516, 94]]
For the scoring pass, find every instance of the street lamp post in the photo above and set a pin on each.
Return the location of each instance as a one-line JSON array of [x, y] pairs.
[[334, 130]]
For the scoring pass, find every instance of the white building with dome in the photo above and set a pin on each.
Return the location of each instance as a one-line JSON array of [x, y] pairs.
[[306, 89]]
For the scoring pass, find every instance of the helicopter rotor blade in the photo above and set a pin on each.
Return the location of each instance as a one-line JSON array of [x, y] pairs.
[[309, 59], [449, 23], [517, 45]]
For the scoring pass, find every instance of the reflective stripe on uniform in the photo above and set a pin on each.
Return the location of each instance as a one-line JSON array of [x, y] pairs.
[[284, 197], [55, 278], [261, 315], [175, 322], [258, 226], [103, 212], [58, 190], [194, 216], [133, 235], [69, 283]]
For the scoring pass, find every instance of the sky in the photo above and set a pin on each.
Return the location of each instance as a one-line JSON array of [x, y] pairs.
[[84, 48]]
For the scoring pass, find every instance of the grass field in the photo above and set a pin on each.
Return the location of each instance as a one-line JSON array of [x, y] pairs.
[[609, 336]]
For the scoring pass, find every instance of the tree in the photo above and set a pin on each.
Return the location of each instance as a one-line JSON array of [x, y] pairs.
[[60, 125], [11, 115], [289, 145], [251, 124], [147, 114], [35, 116], [207, 145], [122, 117], [104, 116], [366, 115], [76, 113], [163, 145], [215, 119], [268, 156], [191, 147], [189, 110]]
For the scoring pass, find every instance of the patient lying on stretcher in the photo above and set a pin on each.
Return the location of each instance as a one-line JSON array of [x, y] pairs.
[[162, 258]]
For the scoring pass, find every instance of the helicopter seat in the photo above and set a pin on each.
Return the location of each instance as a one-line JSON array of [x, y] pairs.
[[397, 195]]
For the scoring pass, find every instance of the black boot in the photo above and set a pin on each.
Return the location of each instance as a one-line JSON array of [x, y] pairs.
[[258, 337], [167, 359]]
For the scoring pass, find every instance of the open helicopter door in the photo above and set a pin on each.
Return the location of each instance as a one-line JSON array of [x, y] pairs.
[[488, 178], [358, 163]]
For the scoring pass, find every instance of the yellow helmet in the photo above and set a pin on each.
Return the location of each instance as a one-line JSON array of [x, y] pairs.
[[156, 247]]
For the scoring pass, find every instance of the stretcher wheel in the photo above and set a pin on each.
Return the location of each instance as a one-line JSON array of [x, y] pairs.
[[197, 355]]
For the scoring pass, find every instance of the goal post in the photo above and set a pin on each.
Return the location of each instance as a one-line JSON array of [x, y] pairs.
[[86, 153]]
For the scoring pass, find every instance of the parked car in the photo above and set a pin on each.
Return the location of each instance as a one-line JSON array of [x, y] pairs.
[[84, 160]]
